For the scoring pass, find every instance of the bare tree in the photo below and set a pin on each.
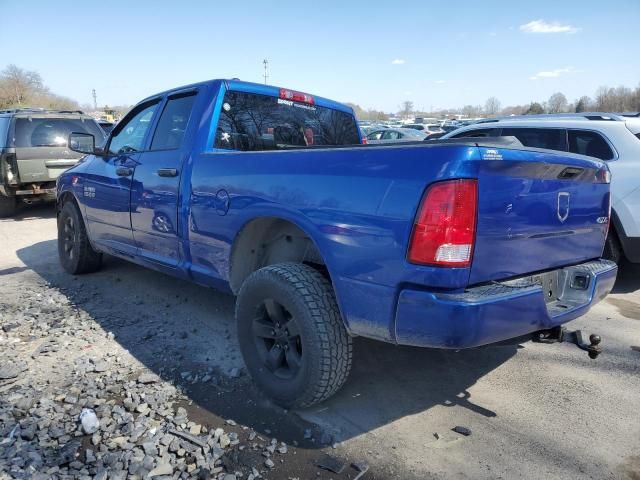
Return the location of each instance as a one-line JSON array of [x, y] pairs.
[[407, 108], [492, 106], [18, 85], [557, 103]]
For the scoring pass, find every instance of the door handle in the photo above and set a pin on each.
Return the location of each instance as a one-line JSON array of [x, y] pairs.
[[124, 171], [168, 172]]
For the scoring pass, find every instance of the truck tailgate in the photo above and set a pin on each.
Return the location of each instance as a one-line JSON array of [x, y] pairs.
[[537, 212]]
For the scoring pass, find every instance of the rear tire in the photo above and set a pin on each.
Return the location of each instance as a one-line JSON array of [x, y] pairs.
[[8, 206], [74, 249], [291, 334], [612, 247]]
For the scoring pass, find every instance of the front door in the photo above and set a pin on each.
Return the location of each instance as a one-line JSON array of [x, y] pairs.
[[109, 180], [154, 201]]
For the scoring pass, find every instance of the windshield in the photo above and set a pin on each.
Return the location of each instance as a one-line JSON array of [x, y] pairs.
[[52, 132], [259, 122]]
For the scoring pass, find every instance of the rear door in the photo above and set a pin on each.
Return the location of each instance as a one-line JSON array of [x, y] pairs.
[[154, 212], [537, 211], [109, 180]]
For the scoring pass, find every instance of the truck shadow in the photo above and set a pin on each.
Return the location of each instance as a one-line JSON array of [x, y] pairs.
[[628, 280], [180, 330], [32, 212]]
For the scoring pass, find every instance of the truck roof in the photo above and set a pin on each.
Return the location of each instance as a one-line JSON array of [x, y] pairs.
[[257, 88]]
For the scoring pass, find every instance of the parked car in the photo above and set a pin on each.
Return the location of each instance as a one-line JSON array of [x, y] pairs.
[[269, 195], [367, 129], [395, 135], [431, 130], [34, 151], [614, 138], [450, 126]]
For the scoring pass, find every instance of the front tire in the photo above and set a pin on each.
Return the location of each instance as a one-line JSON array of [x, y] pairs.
[[8, 206], [291, 334], [74, 249]]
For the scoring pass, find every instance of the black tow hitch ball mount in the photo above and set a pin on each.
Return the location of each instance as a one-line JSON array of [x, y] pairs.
[[561, 334]]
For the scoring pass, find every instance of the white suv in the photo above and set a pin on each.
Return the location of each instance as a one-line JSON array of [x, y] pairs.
[[614, 138]]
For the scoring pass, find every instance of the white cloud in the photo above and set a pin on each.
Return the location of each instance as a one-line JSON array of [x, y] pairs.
[[440, 81], [554, 73], [398, 61], [541, 26]]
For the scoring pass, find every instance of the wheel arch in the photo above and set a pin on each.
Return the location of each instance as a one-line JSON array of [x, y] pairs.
[[267, 240]]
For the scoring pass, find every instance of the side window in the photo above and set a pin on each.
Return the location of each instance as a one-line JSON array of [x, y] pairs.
[[375, 135], [4, 130], [129, 135], [173, 122], [390, 135], [550, 138], [589, 143], [479, 133]]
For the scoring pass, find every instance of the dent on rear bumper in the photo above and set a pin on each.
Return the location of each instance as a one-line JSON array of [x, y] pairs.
[[491, 313]]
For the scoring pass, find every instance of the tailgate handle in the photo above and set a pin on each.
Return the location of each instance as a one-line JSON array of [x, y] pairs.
[[570, 172], [168, 172]]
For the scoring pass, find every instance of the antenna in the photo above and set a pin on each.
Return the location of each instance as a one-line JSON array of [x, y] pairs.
[[266, 70], [95, 99]]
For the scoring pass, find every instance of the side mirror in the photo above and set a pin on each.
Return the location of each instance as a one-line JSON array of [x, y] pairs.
[[82, 143]]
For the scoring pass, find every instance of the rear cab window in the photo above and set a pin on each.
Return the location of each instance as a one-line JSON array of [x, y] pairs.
[[52, 132], [253, 122]]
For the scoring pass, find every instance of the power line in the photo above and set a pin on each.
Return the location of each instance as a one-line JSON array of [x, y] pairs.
[[266, 70]]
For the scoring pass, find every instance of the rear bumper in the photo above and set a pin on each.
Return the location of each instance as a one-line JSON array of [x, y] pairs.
[[497, 312]]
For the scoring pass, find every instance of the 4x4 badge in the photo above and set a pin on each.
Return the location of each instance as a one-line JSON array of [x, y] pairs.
[[563, 206]]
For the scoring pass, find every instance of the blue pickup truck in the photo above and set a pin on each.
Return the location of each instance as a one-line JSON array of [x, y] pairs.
[[269, 194]]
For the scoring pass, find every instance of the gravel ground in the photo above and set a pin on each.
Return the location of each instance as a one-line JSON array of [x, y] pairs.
[[155, 361]]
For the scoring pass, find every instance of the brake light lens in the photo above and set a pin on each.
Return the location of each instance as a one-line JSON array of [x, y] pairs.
[[603, 175], [444, 230], [365, 141], [296, 96]]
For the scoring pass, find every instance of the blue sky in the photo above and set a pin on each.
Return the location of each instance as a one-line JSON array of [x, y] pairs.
[[377, 54]]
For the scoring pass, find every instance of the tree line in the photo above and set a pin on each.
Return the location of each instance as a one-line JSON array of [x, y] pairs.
[[21, 88], [605, 99]]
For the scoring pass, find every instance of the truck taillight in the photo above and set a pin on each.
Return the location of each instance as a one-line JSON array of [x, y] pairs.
[[603, 175], [365, 141], [445, 227]]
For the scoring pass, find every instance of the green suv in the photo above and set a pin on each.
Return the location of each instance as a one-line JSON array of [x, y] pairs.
[[34, 151]]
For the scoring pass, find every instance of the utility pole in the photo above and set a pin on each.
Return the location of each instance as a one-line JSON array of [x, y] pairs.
[[95, 99], [266, 70]]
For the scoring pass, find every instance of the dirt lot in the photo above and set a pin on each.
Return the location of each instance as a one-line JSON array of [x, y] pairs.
[[535, 411]]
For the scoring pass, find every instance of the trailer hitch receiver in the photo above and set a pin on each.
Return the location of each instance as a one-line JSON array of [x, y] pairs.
[[561, 334]]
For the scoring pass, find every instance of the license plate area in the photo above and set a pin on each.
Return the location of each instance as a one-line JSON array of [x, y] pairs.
[[549, 282]]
